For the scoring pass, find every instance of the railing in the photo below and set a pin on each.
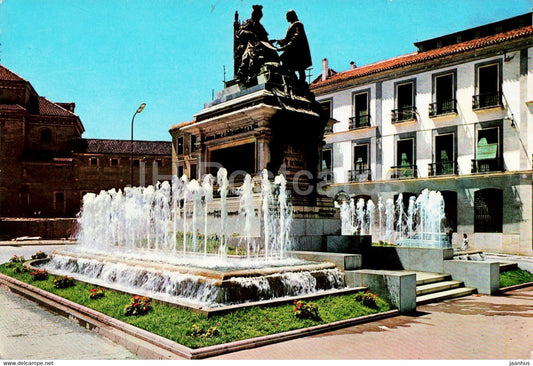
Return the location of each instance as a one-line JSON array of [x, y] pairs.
[[404, 171], [360, 174], [361, 121], [487, 165], [403, 114], [487, 100], [443, 107], [443, 168]]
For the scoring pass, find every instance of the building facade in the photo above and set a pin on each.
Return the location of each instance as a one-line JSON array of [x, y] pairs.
[[454, 116], [45, 164]]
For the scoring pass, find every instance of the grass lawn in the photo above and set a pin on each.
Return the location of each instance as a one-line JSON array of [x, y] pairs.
[[177, 324], [515, 277]]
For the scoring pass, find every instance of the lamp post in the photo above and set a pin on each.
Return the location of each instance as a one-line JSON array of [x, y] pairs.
[[139, 110]]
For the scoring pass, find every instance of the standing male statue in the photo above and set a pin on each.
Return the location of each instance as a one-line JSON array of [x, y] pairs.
[[296, 56]]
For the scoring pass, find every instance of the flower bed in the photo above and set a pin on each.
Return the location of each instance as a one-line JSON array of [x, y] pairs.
[[195, 330]]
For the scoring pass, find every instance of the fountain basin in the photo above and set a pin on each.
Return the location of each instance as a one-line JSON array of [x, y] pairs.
[[195, 286]]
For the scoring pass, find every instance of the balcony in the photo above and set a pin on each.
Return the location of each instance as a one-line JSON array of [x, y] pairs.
[[487, 165], [487, 100], [443, 168], [360, 174], [443, 107], [404, 172], [360, 121], [403, 114]]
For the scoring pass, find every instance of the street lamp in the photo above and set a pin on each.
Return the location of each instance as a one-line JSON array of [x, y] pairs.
[[139, 110]]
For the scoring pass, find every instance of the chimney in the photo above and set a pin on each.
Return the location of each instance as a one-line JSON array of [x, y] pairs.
[[325, 69], [352, 65]]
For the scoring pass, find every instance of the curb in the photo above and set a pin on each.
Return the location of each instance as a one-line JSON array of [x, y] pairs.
[[151, 346], [515, 287], [25, 243]]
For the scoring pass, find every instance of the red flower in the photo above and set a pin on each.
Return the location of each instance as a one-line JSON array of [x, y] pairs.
[[295, 302]]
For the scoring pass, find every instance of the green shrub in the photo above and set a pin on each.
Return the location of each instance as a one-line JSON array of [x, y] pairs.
[[197, 332], [306, 310], [63, 282], [39, 255], [14, 261], [19, 268], [39, 275], [367, 299], [139, 305], [96, 293]]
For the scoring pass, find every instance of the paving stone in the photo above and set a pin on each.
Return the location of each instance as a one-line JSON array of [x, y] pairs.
[[28, 331]]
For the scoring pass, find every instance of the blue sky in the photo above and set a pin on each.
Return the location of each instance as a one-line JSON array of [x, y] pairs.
[[108, 56]]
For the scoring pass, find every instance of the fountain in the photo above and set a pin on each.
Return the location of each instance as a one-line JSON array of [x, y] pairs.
[[175, 242], [420, 226]]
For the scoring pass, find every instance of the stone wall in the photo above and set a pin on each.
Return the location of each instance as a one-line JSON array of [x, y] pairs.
[[45, 228]]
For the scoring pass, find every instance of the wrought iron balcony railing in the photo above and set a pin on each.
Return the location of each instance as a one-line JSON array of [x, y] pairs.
[[403, 114], [404, 171], [443, 168], [487, 165], [443, 107], [360, 121], [487, 100], [360, 174]]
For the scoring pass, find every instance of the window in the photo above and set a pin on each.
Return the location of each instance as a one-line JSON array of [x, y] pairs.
[[46, 135], [59, 202], [193, 143], [488, 86], [136, 162], [180, 171], [194, 171], [488, 211], [488, 151], [443, 95], [450, 208], [405, 102], [327, 110], [405, 167], [158, 162], [93, 161], [444, 158], [361, 114], [114, 162], [180, 146], [361, 171], [326, 165]]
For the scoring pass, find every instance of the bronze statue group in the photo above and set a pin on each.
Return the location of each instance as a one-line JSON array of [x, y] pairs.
[[253, 49]]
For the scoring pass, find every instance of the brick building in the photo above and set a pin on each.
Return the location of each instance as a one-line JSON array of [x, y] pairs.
[[45, 164]]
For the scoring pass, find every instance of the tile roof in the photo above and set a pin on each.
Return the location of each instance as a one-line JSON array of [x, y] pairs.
[[418, 57], [11, 107], [102, 146], [48, 108], [6, 74]]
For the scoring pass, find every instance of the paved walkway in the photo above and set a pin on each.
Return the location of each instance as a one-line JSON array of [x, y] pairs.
[[29, 332], [473, 327]]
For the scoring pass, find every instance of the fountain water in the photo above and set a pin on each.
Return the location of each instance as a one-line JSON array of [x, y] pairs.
[[131, 241], [420, 226]]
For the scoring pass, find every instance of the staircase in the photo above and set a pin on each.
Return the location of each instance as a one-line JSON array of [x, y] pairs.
[[434, 287]]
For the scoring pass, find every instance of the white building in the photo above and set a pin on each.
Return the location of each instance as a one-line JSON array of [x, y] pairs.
[[454, 116]]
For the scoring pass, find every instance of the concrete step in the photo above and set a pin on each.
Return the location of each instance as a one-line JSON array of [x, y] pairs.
[[508, 266], [437, 287], [445, 295], [423, 278]]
